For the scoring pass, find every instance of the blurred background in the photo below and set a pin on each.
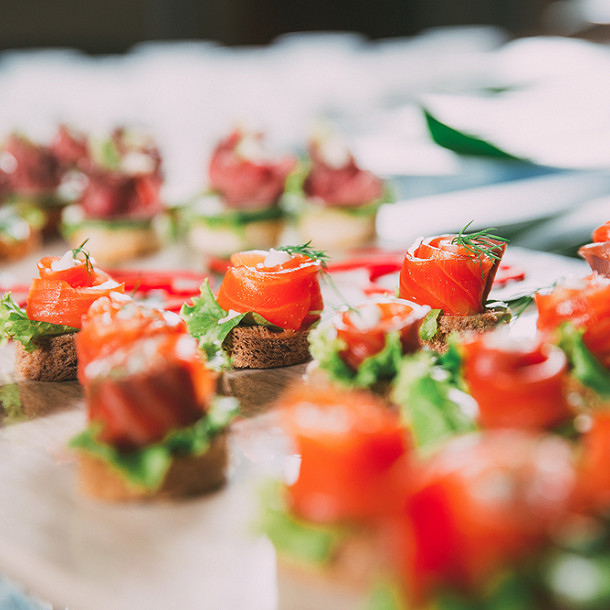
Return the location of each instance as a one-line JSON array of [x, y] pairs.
[[115, 26], [528, 77]]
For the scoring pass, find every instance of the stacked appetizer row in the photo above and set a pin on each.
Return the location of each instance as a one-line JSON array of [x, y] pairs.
[[105, 189], [326, 198], [108, 190]]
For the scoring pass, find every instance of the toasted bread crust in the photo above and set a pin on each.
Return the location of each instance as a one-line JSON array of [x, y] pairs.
[[53, 360], [478, 323], [187, 476], [113, 245], [258, 347]]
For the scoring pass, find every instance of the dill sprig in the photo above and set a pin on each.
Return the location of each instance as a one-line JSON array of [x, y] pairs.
[[85, 253], [319, 256], [306, 250], [481, 243]]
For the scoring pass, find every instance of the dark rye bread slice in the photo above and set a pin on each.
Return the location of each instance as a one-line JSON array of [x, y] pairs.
[[54, 359], [478, 322], [260, 347], [187, 476]]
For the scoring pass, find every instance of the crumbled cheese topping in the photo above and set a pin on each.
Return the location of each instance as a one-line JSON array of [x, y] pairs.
[[67, 261], [106, 285], [366, 316], [276, 257], [250, 148], [574, 283]]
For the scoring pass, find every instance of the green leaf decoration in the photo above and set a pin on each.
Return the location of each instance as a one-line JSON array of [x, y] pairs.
[[451, 361], [423, 392], [15, 324], [325, 348], [585, 366], [386, 595], [319, 256], [463, 143], [294, 537], [506, 591], [147, 467], [429, 326], [210, 324], [480, 243]]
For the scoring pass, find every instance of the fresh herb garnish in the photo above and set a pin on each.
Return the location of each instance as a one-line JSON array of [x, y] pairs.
[[319, 256], [481, 243], [585, 365], [306, 250], [85, 253]]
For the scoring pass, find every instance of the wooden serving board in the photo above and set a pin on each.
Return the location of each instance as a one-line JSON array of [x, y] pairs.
[[202, 553]]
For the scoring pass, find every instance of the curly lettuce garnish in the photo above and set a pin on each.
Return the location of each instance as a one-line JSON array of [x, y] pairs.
[[293, 537], [210, 324], [586, 368], [14, 324], [326, 347], [429, 403], [147, 467]]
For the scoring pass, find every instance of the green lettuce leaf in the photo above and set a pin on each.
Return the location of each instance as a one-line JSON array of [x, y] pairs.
[[209, 323], [325, 348], [430, 325], [463, 143], [386, 595], [585, 366], [451, 361], [147, 467], [505, 592], [15, 324], [293, 537], [424, 395]]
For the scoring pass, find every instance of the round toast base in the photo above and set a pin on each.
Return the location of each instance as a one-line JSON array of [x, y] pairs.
[[187, 476]]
